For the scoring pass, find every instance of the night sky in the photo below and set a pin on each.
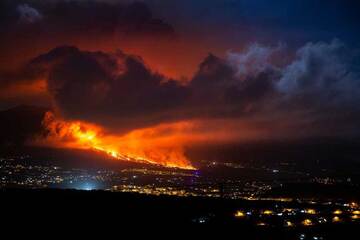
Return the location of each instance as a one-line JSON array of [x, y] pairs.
[[193, 71]]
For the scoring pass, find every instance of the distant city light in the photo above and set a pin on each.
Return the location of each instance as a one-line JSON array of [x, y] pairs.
[[302, 236], [307, 222], [310, 211], [336, 219], [173, 183], [267, 212], [322, 220], [239, 214], [289, 224], [86, 186], [337, 212], [261, 224], [354, 205], [288, 210], [356, 212]]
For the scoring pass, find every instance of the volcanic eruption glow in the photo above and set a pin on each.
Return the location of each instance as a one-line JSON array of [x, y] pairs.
[[139, 146]]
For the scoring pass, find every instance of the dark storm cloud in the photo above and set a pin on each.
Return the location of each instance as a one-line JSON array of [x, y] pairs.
[[84, 17], [316, 90], [120, 91], [323, 83], [218, 90], [30, 27], [116, 90], [135, 18]]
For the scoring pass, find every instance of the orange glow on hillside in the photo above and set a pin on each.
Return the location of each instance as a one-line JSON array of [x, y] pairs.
[[137, 146]]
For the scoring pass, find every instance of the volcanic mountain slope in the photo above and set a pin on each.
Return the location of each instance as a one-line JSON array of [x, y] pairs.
[[19, 123], [22, 124]]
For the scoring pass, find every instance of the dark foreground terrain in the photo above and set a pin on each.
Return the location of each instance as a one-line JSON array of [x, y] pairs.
[[118, 212]]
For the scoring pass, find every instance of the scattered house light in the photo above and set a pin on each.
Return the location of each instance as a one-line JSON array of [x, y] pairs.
[[310, 211], [337, 212], [336, 219], [354, 205], [307, 222], [268, 212], [288, 210], [322, 220], [261, 224], [239, 214], [356, 212], [289, 224]]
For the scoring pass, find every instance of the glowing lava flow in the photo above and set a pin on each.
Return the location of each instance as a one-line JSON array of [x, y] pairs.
[[133, 148]]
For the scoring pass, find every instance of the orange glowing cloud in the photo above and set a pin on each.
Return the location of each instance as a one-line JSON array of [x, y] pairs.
[[24, 89]]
